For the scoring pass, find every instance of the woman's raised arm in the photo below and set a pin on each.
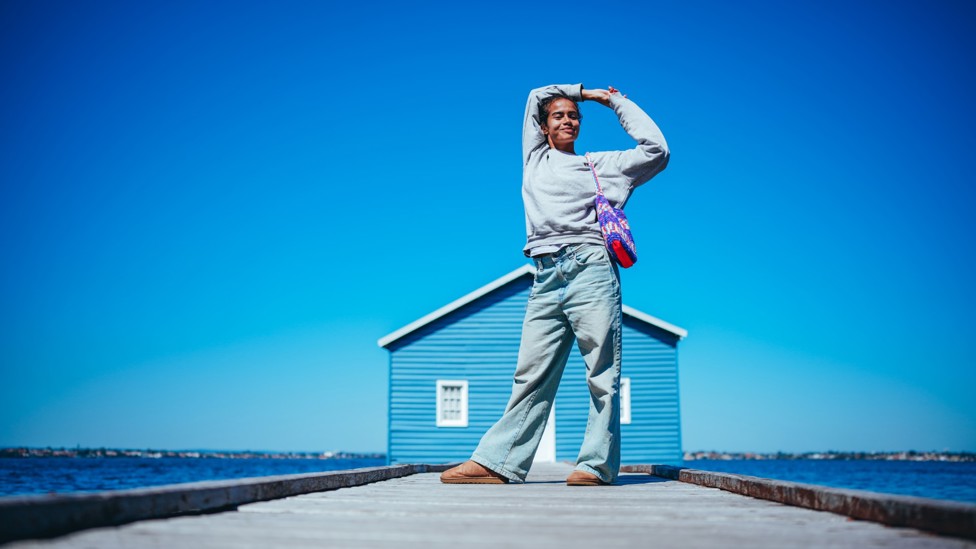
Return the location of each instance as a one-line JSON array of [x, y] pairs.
[[651, 154]]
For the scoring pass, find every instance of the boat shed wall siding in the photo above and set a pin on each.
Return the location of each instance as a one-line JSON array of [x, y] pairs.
[[479, 343], [650, 360]]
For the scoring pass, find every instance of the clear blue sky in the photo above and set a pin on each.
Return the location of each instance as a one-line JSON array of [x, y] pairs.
[[210, 211]]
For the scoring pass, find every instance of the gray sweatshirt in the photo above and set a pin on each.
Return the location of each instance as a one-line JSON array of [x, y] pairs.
[[558, 188]]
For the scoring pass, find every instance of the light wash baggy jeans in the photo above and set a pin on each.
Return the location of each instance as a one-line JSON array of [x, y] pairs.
[[576, 292]]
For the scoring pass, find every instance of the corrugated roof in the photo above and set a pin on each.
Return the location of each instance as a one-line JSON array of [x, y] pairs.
[[524, 270]]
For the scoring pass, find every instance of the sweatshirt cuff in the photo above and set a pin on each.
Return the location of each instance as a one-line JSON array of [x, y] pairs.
[[578, 93], [616, 99]]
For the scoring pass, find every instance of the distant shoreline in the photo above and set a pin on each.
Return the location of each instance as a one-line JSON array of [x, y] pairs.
[[25, 452], [910, 455]]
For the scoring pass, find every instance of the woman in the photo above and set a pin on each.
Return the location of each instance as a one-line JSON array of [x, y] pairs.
[[576, 291]]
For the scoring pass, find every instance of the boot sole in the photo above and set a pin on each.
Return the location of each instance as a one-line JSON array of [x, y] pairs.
[[586, 483], [473, 480]]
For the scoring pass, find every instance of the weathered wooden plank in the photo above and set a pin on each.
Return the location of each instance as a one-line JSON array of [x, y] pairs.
[[941, 517], [50, 515]]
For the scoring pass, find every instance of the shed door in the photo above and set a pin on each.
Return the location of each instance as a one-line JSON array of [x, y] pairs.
[[546, 452]]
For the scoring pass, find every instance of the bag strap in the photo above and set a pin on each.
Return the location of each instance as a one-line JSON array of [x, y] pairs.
[[599, 189]]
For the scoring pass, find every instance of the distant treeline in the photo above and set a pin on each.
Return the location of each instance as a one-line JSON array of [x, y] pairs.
[[910, 455], [24, 452]]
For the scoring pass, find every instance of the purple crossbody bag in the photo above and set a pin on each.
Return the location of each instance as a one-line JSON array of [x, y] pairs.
[[613, 224]]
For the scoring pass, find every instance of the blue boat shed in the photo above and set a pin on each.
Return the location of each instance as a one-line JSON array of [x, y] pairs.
[[451, 377]]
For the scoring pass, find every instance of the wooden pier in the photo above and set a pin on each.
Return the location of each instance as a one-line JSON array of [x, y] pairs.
[[415, 510]]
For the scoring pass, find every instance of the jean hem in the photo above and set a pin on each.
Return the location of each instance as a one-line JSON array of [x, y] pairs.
[[587, 469], [487, 464]]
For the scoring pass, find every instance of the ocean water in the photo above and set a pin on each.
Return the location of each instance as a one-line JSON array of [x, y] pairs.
[[931, 479], [928, 479], [45, 475]]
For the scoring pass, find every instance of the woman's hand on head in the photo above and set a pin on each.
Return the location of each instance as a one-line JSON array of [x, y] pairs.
[[600, 96]]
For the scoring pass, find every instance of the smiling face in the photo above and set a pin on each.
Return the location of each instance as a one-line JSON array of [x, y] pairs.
[[562, 126]]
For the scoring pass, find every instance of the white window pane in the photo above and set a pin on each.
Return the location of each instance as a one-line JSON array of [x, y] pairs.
[[452, 403]]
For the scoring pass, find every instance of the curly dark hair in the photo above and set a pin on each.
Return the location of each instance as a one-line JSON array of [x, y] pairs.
[[545, 103]]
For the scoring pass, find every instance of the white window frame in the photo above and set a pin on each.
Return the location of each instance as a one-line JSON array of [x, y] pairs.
[[462, 421], [625, 401]]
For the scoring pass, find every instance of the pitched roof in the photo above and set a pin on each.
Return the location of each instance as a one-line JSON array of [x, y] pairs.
[[524, 270]]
